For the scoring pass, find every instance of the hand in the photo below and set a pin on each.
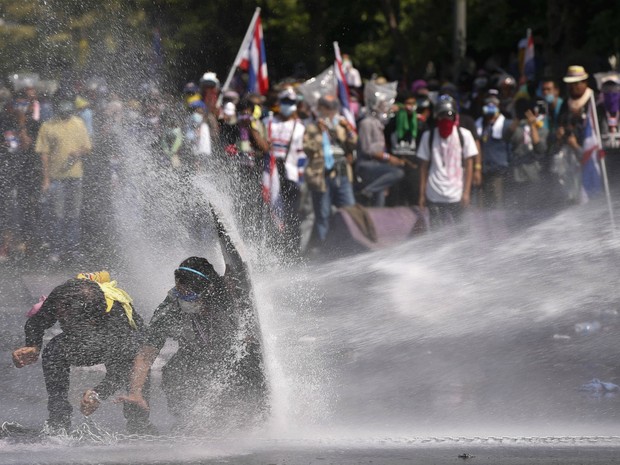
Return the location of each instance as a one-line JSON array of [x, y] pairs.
[[133, 398], [90, 402], [322, 126], [465, 200], [530, 116], [25, 356], [559, 133], [572, 141], [395, 161], [477, 178]]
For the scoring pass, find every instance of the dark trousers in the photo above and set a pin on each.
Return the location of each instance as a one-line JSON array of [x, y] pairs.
[[59, 355], [444, 214], [291, 201]]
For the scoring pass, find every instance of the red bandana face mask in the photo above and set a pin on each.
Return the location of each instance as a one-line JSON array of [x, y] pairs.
[[445, 126]]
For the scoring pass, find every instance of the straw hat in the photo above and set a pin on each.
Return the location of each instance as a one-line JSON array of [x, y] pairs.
[[575, 74]]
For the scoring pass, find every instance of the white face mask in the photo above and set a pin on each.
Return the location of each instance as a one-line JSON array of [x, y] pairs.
[[287, 110], [197, 118]]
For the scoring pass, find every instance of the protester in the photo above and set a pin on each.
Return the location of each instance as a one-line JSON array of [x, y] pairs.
[[28, 189], [285, 133], [329, 144], [210, 91], [352, 75], [216, 375], [551, 94], [99, 326], [528, 143], [62, 142], [198, 137], [10, 157], [402, 136], [574, 121], [446, 168], [609, 114], [170, 140], [494, 131], [378, 169]]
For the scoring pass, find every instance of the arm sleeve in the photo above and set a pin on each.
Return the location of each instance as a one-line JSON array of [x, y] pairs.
[[312, 144], [423, 152], [117, 372], [540, 149], [82, 135], [37, 324], [470, 149], [157, 332]]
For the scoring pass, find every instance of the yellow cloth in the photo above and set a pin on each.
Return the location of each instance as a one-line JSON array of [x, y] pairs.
[[115, 294], [59, 138], [102, 276]]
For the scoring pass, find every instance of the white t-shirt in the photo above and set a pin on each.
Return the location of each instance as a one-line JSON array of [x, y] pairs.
[[445, 178], [279, 133]]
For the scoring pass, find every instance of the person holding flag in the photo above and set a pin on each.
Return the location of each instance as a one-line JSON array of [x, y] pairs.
[[283, 170], [579, 127]]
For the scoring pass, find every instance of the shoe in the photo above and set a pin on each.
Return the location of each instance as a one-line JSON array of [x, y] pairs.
[[56, 428]]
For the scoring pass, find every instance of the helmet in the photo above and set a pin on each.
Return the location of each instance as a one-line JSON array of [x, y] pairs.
[[446, 106], [190, 88], [210, 78]]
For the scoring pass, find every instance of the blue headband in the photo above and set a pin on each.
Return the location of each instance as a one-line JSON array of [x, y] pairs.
[[184, 268]]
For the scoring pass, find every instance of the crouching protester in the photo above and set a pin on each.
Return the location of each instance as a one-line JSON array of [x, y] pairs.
[[215, 380], [99, 326]]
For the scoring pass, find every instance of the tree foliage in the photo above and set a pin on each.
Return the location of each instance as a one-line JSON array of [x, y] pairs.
[[396, 38]]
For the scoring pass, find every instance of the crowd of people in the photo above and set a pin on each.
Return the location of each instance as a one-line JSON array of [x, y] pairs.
[[488, 140]]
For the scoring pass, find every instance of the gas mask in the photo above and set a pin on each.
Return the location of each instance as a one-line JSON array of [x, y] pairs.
[[188, 302]]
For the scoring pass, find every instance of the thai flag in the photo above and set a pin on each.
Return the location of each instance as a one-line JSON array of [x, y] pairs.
[[342, 87], [254, 60], [271, 186], [592, 152], [529, 67]]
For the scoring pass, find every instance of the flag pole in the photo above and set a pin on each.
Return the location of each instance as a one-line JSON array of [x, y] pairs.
[[244, 45], [603, 167]]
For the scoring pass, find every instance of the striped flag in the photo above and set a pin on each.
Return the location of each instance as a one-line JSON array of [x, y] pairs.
[[271, 185], [342, 87], [592, 152], [254, 60], [529, 67], [251, 57]]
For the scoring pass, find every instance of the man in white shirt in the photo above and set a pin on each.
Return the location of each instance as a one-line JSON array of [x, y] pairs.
[[446, 153], [286, 136]]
